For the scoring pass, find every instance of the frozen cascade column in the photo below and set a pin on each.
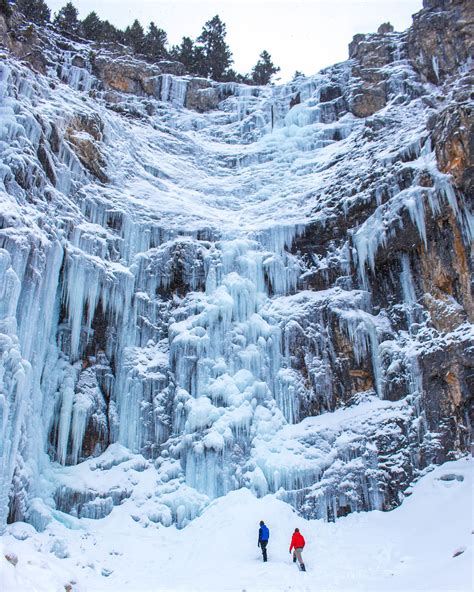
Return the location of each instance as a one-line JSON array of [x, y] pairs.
[[15, 373], [83, 278], [38, 307], [226, 355], [87, 284], [173, 89], [77, 77], [412, 314], [362, 329]]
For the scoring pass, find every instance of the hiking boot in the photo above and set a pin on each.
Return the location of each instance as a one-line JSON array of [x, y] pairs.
[[302, 567]]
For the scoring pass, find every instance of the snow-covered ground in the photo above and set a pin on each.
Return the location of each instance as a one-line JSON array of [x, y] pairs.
[[425, 544]]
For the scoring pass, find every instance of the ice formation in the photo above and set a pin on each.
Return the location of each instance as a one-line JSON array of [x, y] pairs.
[[167, 309]]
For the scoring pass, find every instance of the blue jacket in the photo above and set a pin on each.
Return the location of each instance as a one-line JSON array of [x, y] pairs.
[[263, 533]]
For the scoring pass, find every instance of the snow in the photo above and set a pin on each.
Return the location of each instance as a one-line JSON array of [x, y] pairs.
[[413, 547]]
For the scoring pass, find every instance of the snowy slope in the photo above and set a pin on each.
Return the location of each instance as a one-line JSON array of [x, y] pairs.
[[409, 548]]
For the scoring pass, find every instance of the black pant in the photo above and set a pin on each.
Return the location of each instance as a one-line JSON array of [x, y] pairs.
[[263, 546]]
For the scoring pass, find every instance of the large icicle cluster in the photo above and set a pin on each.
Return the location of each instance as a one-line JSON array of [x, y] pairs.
[[191, 289]]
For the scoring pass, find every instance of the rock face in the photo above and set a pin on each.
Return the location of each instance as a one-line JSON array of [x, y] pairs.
[[84, 134], [367, 100], [454, 144], [22, 41], [371, 53], [385, 28], [202, 95], [126, 74], [441, 38], [233, 286]]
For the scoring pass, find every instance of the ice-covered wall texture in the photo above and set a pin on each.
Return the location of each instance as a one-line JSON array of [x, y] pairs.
[[192, 271]]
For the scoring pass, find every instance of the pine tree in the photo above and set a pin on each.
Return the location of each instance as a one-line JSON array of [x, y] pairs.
[[232, 75], [92, 26], [184, 53], [34, 10], [135, 37], [110, 33], [67, 20], [264, 69], [155, 42], [216, 52], [201, 64], [243, 79], [189, 55], [5, 8]]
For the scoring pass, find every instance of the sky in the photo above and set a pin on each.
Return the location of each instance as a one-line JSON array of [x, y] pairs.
[[304, 35]]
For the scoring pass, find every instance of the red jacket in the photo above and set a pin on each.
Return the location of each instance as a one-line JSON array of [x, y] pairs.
[[297, 541]]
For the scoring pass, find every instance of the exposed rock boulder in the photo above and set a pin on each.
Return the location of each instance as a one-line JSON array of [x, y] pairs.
[[23, 42], [329, 93], [385, 28], [91, 123], [371, 51], [11, 558], [202, 95], [367, 99], [130, 75], [84, 134], [171, 67], [125, 74], [370, 54]]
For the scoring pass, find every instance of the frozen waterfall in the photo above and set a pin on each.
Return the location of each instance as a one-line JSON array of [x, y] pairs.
[[207, 296]]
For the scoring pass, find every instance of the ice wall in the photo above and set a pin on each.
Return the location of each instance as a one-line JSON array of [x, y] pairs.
[[190, 287]]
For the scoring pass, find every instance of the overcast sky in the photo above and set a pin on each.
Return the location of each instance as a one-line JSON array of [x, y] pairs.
[[304, 35]]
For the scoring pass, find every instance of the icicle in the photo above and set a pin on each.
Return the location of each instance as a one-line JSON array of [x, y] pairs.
[[361, 329], [408, 288], [65, 415]]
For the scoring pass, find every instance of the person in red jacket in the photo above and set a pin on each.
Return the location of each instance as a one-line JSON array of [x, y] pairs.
[[297, 544]]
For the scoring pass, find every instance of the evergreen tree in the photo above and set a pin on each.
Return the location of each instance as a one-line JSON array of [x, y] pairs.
[[67, 20], [297, 74], [92, 26], [155, 42], [201, 67], [111, 34], [189, 55], [135, 37], [5, 8], [184, 53], [232, 75], [264, 69], [97, 30], [216, 52], [34, 10]]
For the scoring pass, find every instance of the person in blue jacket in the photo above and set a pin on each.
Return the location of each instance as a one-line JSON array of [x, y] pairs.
[[263, 536]]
